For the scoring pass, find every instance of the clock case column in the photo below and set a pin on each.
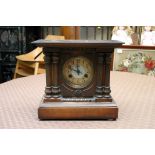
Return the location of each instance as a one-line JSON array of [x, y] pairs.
[[52, 89], [103, 90]]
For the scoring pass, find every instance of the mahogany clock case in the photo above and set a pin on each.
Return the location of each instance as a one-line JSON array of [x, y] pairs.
[[64, 101]]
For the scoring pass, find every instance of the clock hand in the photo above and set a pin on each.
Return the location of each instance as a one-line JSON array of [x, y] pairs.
[[72, 69], [78, 70], [75, 70]]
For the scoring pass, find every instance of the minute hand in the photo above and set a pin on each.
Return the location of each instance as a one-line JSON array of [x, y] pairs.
[[72, 69], [75, 70]]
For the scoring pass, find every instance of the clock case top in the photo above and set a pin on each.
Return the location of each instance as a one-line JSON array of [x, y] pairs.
[[79, 43]]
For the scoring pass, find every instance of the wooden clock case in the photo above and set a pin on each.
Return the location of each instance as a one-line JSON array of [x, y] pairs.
[[62, 101]]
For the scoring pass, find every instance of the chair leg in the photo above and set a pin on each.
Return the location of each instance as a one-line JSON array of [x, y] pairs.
[[36, 68], [16, 69]]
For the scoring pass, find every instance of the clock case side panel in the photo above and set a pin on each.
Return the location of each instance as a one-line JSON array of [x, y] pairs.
[[68, 91]]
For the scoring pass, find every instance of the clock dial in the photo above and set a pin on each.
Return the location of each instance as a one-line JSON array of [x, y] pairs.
[[78, 72]]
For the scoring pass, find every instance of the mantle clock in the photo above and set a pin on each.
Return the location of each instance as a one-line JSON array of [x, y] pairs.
[[78, 79]]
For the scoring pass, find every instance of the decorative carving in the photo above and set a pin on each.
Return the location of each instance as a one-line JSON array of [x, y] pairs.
[[107, 92], [55, 91], [78, 99], [99, 91], [48, 92], [78, 92]]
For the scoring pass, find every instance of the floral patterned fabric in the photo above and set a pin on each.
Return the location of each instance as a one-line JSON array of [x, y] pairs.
[[138, 63]]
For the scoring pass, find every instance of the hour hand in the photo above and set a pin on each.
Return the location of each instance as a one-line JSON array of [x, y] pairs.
[[78, 70]]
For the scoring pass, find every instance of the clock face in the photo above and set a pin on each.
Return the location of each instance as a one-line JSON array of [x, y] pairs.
[[78, 72]]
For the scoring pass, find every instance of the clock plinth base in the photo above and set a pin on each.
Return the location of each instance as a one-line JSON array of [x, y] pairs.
[[78, 111]]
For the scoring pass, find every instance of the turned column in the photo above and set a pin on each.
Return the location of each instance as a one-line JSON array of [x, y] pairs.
[[52, 88], [99, 80], [48, 88], [106, 88], [55, 83]]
